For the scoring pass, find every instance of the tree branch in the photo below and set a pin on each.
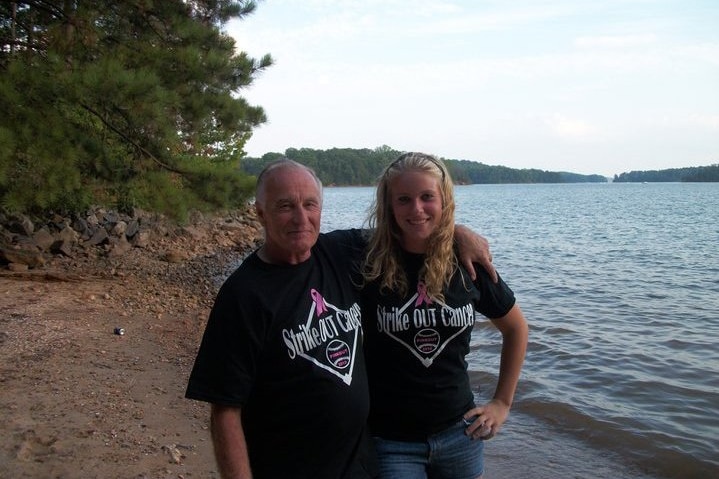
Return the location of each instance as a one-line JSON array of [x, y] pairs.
[[133, 143]]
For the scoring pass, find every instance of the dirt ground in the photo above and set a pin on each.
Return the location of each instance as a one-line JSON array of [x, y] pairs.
[[78, 400]]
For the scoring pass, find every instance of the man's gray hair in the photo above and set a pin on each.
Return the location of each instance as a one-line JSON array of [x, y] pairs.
[[283, 163]]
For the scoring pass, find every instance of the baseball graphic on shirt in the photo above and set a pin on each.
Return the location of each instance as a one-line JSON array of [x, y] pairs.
[[426, 341], [338, 354]]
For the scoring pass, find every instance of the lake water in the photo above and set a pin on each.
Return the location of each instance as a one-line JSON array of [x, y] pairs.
[[620, 285]]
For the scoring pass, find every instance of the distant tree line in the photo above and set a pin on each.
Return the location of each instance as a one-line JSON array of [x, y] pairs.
[[347, 166], [336, 166], [693, 174], [472, 172]]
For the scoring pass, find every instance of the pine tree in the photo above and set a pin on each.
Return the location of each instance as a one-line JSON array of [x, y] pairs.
[[131, 103]]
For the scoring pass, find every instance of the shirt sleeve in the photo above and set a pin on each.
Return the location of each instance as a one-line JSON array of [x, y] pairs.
[[496, 299], [350, 247], [230, 351]]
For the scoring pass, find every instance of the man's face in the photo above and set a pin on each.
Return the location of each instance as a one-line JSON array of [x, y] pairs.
[[290, 210]]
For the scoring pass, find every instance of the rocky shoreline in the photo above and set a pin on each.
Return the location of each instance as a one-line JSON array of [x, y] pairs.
[[104, 244], [27, 243]]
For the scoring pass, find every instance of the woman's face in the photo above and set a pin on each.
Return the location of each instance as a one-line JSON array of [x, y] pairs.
[[416, 203]]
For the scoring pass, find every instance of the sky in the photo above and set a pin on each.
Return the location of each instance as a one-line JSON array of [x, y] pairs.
[[590, 87]]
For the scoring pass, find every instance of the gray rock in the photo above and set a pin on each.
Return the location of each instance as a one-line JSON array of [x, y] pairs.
[[21, 225], [32, 259], [100, 237], [43, 239], [119, 229], [132, 228], [62, 247], [68, 235]]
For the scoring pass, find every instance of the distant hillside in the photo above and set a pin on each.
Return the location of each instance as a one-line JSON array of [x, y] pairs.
[[472, 172], [347, 166], [695, 174]]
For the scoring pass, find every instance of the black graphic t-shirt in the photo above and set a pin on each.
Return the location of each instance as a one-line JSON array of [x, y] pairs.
[[285, 343], [416, 347]]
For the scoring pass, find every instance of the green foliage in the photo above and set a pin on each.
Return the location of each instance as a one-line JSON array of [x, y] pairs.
[[694, 174], [132, 102], [346, 166], [703, 174]]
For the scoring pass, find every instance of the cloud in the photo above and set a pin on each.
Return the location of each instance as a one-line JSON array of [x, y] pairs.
[[693, 121], [616, 41], [571, 128], [621, 80]]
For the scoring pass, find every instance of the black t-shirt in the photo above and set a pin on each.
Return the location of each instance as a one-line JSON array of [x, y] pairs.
[[284, 343], [416, 347]]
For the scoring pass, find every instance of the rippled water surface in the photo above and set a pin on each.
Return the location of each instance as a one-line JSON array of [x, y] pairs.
[[620, 283]]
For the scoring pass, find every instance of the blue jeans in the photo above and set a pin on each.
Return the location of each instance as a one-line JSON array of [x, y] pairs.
[[449, 454]]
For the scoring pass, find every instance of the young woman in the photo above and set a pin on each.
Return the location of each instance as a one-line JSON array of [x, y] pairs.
[[419, 308]]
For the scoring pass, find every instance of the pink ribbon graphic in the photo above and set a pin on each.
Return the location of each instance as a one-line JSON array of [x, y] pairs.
[[422, 294], [320, 306]]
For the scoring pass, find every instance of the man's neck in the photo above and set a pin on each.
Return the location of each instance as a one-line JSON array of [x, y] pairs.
[[268, 256]]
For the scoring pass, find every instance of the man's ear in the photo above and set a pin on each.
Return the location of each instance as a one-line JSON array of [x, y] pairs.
[[260, 214]]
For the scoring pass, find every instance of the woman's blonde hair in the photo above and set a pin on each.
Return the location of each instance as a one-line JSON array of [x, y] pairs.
[[382, 260]]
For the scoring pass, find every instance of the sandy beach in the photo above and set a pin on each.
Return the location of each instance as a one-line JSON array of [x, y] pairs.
[[79, 400]]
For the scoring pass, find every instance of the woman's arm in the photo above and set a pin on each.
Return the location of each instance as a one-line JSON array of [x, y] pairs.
[[515, 335], [489, 418]]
